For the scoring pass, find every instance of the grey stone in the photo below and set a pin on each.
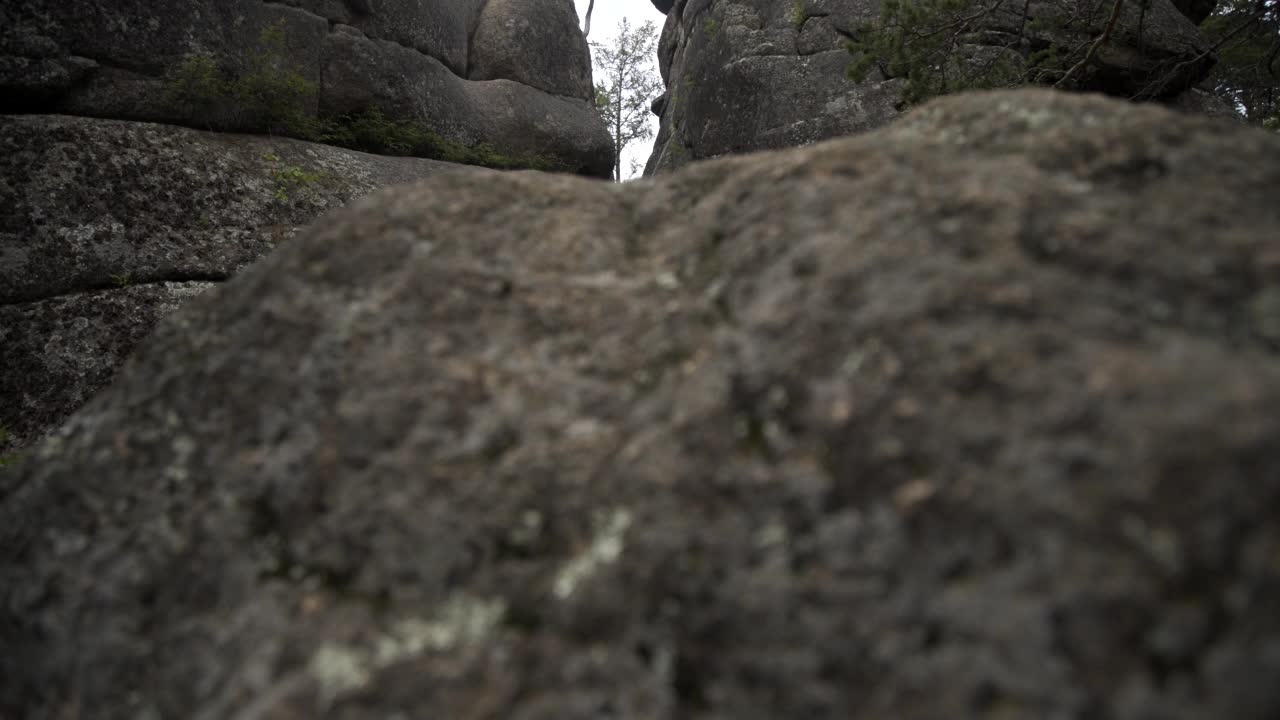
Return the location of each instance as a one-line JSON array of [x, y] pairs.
[[117, 60], [534, 42], [741, 76], [87, 204], [515, 118], [56, 353], [968, 417], [105, 223], [745, 75]]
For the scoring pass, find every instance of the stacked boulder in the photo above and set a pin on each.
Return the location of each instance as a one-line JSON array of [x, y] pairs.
[[511, 74], [112, 213], [746, 75]]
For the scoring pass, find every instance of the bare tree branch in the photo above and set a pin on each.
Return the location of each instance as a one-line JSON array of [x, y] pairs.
[[960, 21], [1093, 49], [1214, 48]]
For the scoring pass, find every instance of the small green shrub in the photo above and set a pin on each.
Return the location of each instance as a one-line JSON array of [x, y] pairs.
[[289, 180], [262, 91], [292, 178], [7, 458], [710, 27], [198, 84]]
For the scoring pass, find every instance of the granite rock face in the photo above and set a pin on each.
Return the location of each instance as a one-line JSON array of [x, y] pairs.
[[534, 42], [741, 76], [428, 61], [968, 417], [105, 225], [745, 75], [58, 352]]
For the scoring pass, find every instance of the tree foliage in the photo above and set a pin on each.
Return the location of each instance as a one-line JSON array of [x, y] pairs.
[[925, 43], [1247, 36], [944, 46], [626, 84]]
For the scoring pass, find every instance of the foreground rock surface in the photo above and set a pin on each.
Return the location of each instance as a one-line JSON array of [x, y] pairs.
[[969, 417], [103, 223], [746, 75], [513, 74]]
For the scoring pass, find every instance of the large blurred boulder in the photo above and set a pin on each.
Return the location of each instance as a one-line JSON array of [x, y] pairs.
[[123, 60], [971, 417]]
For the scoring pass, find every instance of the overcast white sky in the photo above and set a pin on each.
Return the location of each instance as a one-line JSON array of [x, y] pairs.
[[604, 23]]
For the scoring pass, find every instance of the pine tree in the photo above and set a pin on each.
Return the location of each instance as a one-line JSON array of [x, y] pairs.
[[1246, 37], [627, 83]]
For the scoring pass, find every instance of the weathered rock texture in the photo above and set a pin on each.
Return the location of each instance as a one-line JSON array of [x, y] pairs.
[[105, 225], [56, 353], [514, 74], [747, 75], [970, 417]]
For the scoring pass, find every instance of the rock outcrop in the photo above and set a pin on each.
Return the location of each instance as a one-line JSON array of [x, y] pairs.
[[969, 417], [58, 352], [746, 75], [511, 74], [105, 225]]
